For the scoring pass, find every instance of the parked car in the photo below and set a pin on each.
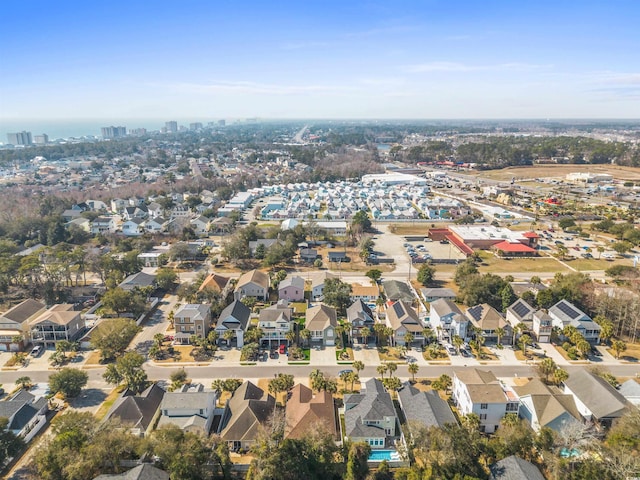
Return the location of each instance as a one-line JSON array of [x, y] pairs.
[[37, 350], [348, 370], [273, 354], [282, 349]]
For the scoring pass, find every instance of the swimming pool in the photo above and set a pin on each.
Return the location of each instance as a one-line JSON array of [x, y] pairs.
[[380, 455]]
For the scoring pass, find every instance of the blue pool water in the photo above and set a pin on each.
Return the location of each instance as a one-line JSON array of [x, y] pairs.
[[380, 455]]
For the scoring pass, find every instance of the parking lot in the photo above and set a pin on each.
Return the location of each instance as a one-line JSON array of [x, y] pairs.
[[426, 250], [576, 246]]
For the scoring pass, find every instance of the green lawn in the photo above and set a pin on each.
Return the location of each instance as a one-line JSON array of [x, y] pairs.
[[535, 264]]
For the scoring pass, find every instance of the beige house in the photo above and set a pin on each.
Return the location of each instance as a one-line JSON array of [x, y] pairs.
[[308, 411], [192, 319], [322, 321], [489, 320], [58, 323], [253, 284], [402, 318], [15, 322]]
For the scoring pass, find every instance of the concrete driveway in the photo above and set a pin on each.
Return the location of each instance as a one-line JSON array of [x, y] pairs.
[[323, 356], [369, 355]]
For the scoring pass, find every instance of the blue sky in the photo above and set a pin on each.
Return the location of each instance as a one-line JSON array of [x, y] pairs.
[[332, 59]]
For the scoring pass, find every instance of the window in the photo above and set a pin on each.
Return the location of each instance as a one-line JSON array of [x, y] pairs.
[[388, 431], [512, 407], [199, 327], [482, 428], [483, 416], [330, 333], [484, 406]]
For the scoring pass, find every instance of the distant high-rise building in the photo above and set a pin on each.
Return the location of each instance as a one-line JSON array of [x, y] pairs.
[[138, 131], [172, 127], [19, 138], [41, 139], [114, 132], [222, 123], [194, 127]]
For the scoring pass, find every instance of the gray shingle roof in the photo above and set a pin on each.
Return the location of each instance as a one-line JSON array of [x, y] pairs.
[[515, 468], [374, 403], [236, 310], [397, 290], [596, 394], [426, 408], [141, 472], [138, 410]]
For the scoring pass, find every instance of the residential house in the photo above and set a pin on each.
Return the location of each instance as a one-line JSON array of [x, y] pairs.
[[150, 259], [103, 224], [489, 320], [403, 319], [156, 225], [291, 289], [245, 413], [138, 280], [520, 287], [137, 211], [308, 255], [82, 223], [192, 319], [397, 290], [337, 256], [133, 227], [234, 317], [155, 210], [317, 284], [140, 412], [564, 313], [215, 283], [275, 322], [596, 399], [359, 316], [265, 242], [253, 284], [433, 294], [367, 293], [426, 409], [26, 414], [542, 326], [520, 312], [145, 471], [631, 391], [370, 417], [191, 409], [542, 406], [480, 392], [321, 321], [309, 412], [71, 214], [515, 468], [201, 225], [60, 322], [447, 320], [15, 323]]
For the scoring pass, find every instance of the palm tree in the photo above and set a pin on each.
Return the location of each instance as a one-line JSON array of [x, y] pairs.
[[525, 340], [413, 369], [388, 332], [583, 347], [618, 346], [365, 333], [408, 338], [315, 378], [392, 367], [547, 367], [353, 377], [171, 318], [427, 333], [24, 382], [305, 335], [560, 376], [290, 336], [158, 339], [339, 330], [600, 249], [500, 333], [381, 369], [434, 350], [358, 366], [457, 342], [228, 336]]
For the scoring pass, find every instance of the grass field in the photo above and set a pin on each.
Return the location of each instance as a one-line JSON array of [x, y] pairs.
[[595, 264], [546, 171], [533, 265]]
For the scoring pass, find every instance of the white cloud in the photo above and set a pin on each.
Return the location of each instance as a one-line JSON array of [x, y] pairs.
[[462, 67]]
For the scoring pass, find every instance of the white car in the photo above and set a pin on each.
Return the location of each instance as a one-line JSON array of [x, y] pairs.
[[608, 256]]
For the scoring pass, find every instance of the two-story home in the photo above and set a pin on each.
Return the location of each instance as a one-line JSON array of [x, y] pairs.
[[403, 319], [191, 409], [133, 227], [60, 322], [480, 392], [244, 415], [397, 290], [565, 313], [156, 225], [14, 324], [234, 317], [201, 225], [138, 280], [291, 289], [424, 408], [322, 320], [26, 414], [537, 321], [309, 412], [370, 417], [447, 320], [103, 224], [489, 320], [254, 283], [596, 399], [192, 319], [317, 284], [360, 316], [542, 407], [275, 322], [139, 412], [215, 283]]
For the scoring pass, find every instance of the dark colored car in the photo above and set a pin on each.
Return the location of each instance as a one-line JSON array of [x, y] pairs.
[[273, 354]]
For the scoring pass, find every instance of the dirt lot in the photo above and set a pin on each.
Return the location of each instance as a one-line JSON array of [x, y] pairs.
[[545, 171]]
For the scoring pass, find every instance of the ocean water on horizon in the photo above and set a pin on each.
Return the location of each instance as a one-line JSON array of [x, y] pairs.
[[71, 128]]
